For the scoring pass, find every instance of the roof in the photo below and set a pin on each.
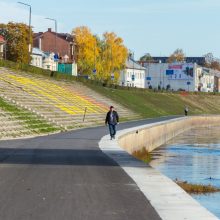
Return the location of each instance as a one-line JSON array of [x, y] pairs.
[[37, 51], [64, 36], [131, 64], [2, 40]]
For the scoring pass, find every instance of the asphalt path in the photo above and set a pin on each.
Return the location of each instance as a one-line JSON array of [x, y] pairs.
[[67, 177]]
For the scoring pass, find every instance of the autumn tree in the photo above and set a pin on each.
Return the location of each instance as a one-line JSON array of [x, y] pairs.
[[113, 56], [86, 49], [177, 56], [106, 55], [17, 38]]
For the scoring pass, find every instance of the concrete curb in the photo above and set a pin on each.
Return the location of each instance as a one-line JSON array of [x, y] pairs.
[[169, 200]]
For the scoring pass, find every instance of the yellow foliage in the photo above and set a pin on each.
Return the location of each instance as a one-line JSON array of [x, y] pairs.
[[177, 56], [107, 55], [87, 49]]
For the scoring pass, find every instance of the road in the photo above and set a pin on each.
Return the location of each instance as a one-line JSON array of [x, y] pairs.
[[67, 177]]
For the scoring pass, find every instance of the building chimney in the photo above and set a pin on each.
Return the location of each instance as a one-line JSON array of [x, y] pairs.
[[49, 29]]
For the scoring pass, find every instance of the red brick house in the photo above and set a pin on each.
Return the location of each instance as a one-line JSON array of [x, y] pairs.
[[62, 44]]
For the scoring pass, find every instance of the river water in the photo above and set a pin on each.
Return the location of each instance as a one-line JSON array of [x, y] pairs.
[[193, 156]]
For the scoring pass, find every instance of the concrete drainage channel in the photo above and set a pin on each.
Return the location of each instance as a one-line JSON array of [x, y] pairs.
[[169, 200]]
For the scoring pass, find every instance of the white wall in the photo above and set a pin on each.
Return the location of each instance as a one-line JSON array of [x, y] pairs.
[[37, 60], [49, 63], [157, 73], [139, 78]]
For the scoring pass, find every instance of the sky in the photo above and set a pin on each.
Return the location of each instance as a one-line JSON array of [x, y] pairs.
[[157, 27]]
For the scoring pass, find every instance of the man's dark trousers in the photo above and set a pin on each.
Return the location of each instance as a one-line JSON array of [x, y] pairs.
[[112, 130]]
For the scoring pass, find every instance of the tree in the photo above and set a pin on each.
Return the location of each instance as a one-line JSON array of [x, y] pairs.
[[177, 56], [86, 49], [215, 65], [17, 38], [113, 56], [209, 58], [107, 54], [147, 58]]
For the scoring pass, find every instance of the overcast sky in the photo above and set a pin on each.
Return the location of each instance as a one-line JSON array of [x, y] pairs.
[[157, 27]]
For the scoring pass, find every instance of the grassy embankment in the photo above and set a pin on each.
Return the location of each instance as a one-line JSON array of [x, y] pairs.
[[29, 120], [146, 103], [155, 104]]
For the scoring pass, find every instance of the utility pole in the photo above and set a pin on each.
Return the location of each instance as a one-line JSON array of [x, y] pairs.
[[29, 45]]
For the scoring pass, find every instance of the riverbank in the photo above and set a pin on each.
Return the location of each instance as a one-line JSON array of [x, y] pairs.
[[170, 201]]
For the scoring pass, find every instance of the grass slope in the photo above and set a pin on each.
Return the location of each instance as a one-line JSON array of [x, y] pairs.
[[154, 104], [29, 120], [146, 103]]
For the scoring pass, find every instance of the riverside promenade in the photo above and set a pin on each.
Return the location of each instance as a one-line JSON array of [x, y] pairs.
[[66, 176]]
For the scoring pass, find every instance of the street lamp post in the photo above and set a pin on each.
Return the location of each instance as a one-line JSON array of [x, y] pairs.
[[29, 46], [55, 22]]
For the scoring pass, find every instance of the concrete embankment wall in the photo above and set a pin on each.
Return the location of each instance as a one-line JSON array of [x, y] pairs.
[[153, 136], [169, 200]]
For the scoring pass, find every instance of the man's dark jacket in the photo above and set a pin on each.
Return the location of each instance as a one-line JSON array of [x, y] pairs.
[[115, 118]]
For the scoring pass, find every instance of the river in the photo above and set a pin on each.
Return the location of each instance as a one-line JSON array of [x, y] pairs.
[[193, 156]]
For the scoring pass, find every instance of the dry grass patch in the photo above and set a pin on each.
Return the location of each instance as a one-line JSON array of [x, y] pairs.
[[197, 188]]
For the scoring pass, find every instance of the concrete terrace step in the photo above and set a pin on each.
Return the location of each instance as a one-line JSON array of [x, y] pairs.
[[65, 94]]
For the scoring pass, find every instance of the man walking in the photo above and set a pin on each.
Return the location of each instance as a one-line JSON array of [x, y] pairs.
[[112, 120]]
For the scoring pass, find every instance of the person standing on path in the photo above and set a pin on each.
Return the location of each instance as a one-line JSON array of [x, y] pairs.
[[112, 120], [186, 110]]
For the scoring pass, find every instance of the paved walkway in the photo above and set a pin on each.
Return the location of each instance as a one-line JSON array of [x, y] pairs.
[[67, 177]]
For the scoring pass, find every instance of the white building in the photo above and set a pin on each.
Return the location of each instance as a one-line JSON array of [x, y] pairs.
[[2, 44], [49, 63], [179, 76], [43, 60], [37, 57], [133, 75]]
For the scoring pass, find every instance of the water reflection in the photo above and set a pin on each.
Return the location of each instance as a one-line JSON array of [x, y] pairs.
[[193, 156]]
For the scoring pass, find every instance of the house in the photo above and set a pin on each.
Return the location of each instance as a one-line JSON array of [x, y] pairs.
[[180, 76], [133, 75], [49, 63], [37, 57], [2, 43], [57, 43]]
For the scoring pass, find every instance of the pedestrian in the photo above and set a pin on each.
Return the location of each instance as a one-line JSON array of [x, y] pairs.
[[186, 110], [112, 120]]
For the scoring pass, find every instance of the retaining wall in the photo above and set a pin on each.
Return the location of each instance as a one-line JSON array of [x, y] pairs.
[[153, 136], [169, 200]]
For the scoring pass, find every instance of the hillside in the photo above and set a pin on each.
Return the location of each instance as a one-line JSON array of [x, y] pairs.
[[150, 104], [36, 103], [61, 104]]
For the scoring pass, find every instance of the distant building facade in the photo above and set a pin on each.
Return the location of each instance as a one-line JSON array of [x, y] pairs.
[[133, 75], [37, 57], [2, 44], [47, 61], [170, 76], [60, 43], [180, 76]]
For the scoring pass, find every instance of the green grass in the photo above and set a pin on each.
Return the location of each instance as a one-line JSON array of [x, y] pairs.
[[28, 119], [150, 104]]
